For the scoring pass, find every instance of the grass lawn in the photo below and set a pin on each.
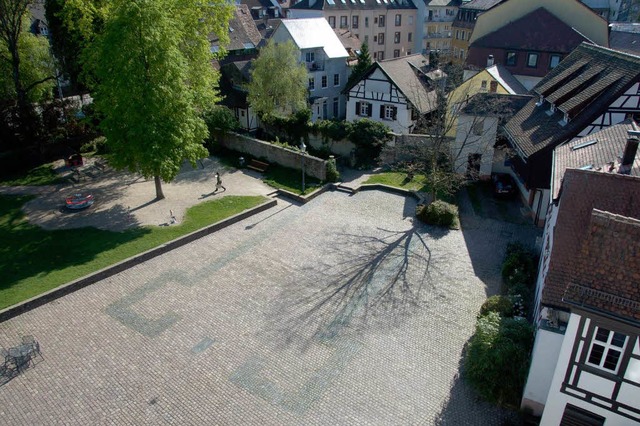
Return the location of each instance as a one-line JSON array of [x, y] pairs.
[[33, 260], [289, 179], [41, 175], [399, 180]]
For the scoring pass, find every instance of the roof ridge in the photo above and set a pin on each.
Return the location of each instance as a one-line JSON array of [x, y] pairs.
[[614, 52]]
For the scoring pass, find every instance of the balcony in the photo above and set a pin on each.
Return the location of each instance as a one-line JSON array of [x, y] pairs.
[[444, 34], [439, 18], [315, 66]]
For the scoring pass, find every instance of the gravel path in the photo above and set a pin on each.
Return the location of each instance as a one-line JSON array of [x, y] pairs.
[[124, 200]]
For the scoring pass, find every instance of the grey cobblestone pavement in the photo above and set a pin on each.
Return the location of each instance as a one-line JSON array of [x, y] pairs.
[[342, 311]]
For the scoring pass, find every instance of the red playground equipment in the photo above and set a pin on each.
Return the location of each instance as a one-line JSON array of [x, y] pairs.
[[79, 201]]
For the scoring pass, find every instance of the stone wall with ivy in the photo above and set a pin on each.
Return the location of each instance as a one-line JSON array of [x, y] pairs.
[[275, 153]]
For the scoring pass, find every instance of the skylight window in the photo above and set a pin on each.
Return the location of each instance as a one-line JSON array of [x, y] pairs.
[[587, 167], [584, 144]]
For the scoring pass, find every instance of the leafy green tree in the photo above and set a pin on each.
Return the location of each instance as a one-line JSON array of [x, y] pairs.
[[153, 67], [26, 68], [364, 62], [279, 82]]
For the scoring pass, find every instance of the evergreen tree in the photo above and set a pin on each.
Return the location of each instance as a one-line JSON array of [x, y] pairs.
[[364, 62]]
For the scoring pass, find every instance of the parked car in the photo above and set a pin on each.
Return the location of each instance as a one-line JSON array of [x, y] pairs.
[[503, 185]]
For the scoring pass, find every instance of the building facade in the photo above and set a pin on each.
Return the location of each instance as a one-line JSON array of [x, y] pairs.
[[388, 27], [437, 26]]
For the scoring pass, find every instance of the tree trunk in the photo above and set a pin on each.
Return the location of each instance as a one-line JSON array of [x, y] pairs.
[[159, 193]]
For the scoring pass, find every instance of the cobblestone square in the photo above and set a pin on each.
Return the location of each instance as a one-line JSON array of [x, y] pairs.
[[343, 311]]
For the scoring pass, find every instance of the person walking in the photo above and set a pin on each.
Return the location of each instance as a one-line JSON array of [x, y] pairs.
[[219, 183]]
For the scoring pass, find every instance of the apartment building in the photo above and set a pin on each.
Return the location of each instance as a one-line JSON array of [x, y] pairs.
[[463, 24], [438, 22], [387, 26]]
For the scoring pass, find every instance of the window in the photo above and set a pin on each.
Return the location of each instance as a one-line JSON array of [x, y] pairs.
[[396, 38], [375, 38], [312, 83], [512, 59], [388, 112], [493, 86], [336, 108], [343, 22], [324, 81], [410, 20], [336, 79], [366, 39], [310, 57], [375, 55], [354, 21], [462, 35], [357, 36], [381, 38], [332, 21], [363, 109], [398, 19], [461, 53], [410, 37], [366, 21], [408, 51], [380, 55], [483, 85], [478, 127], [554, 61], [532, 60], [606, 349], [578, 416], [381, 21], [396, 53]]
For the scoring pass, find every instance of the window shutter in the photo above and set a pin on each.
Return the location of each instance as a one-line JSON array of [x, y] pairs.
[[394, 112], [381, 111], [369, 110], [357, 108]]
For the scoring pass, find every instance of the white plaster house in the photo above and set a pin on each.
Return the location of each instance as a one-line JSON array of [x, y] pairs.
[[395, 92], [477, 125], [585, 364], [326, 60]]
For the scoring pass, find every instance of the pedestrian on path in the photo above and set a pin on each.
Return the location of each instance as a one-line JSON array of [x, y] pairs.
[[219, 183]]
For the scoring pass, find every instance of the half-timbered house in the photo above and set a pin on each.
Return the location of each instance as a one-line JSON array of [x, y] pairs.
[[395, 92], [593, 88]]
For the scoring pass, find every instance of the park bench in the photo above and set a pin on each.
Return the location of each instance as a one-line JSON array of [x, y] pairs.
[[258, 166]]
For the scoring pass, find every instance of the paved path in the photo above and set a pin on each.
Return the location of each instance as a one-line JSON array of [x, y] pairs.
[[341, 311]]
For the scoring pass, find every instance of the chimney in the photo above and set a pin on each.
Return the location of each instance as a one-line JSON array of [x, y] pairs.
[[490, 61], [631, 148]]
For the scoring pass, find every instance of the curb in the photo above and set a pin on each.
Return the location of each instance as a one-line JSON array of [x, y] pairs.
[[305, 199], [420, 197], [109, 271]]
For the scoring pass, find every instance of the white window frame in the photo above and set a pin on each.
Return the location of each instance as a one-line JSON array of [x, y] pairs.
[[551, 65], [531, 56], [607, 347], [324, 81], [344, 21], [364, 109], [388, 112], [312, 83], [332, 21], [310, 57]]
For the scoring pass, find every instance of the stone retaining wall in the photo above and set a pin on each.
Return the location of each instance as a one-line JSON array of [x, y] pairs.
[[314, 166]]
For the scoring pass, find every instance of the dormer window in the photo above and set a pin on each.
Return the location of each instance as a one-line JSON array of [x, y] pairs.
[[565, 119], [540, 101], [552, 109]]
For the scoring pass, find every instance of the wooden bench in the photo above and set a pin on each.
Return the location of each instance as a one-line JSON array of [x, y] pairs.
[[258, 166]]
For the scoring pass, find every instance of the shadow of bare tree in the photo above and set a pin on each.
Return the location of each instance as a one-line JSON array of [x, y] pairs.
[[371, 275]]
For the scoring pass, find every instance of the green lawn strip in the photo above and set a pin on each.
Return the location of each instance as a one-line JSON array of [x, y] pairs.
[[289, 179], [41, 175], [399, 180], [33, 260]]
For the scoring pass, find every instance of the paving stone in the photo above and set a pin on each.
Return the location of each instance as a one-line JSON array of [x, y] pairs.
[[341, 311]]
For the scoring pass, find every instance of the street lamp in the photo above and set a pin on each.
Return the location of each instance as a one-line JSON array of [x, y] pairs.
[[303, 148]]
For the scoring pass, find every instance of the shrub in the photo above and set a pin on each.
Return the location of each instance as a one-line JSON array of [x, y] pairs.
[[521, 295], [500, 304], [98, 145], [497, 358], [369, 137], [332, 171], [439, 213], [519, 267]]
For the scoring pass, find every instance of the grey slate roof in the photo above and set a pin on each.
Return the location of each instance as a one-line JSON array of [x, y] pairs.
[[625, 42], [583, 85], [405, 72], [442, 3], [243, 33], [354, 4], [495, 104], [609, 145], [480, 4]]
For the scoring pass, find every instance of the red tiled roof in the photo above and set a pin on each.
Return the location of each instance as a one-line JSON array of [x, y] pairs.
[[607, 267], [573, 257]]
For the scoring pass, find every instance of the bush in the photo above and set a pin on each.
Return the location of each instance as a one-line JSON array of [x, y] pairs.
[[500, 304], [522, 296], [497, 358], [439, 213], [97, 145], [519, 267], [332, 171], [369, 137]]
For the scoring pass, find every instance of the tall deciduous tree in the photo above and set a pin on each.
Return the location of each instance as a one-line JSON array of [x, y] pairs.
[[25, 64], [153, 67], [279, 82]]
